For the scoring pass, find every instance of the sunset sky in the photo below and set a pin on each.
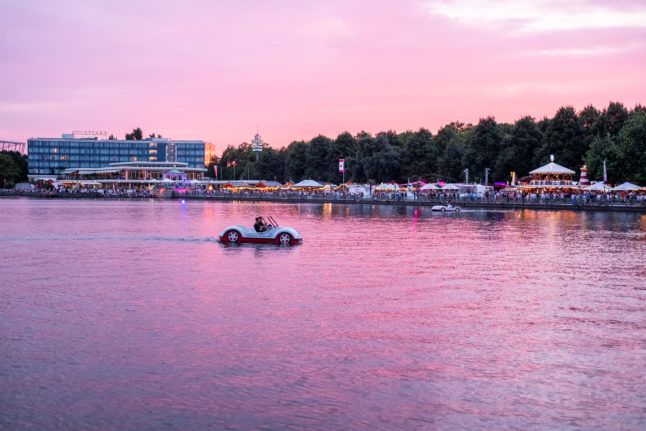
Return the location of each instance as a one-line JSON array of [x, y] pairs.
[[214, 70]]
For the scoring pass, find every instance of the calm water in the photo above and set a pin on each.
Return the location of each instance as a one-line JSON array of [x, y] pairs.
[[130, 315]]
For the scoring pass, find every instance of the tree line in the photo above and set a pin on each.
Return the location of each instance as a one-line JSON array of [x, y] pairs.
[[614, 134], [13, 168]]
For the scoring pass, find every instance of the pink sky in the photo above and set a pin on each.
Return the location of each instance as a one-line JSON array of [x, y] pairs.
[[212, 70]]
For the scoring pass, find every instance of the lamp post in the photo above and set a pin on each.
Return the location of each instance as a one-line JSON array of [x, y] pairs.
[[486, 177]]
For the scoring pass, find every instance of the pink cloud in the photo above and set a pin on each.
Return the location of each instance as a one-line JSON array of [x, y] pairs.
[[213, 70]]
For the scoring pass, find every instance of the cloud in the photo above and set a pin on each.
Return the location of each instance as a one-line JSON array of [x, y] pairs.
[[584, 52], [538, 15]]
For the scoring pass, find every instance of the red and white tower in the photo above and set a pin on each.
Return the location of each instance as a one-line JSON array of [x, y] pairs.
[[584, 181]]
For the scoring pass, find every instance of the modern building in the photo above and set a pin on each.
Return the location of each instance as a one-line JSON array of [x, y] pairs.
[[51, 156], [134, 174]]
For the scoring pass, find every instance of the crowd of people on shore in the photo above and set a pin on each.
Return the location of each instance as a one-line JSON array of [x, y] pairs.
[[516, 197]]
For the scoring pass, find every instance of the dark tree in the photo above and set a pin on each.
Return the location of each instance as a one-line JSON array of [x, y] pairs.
[[420, 155], [631, 150], [610, 121], [482, 148], [318, 159], [518, 150], [602, 149], [9, 171], [136, 135], [565, 139], [296, 161]]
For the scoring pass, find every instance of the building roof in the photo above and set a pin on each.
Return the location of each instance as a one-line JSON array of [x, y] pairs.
[[552, 168]]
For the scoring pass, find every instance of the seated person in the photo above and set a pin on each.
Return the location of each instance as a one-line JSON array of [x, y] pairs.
[[260, 225]]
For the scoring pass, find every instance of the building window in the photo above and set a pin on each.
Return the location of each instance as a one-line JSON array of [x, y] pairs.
[[133, 158]]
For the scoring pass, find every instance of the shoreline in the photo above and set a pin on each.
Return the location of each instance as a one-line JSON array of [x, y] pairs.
[[511, 205]]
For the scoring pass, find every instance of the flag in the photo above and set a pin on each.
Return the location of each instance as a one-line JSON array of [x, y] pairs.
[[605, 176], [215, 170], [341, 165]]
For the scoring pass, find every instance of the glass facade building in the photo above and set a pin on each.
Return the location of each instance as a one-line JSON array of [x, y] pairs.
[[50, 156]]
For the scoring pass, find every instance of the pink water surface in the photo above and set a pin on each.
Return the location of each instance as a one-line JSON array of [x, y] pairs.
[[130, 315]]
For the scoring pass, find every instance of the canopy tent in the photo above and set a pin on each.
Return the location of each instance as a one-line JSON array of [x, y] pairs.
[[552, 168], [450, 187], [307, 183], [387, 187], [429, 186], [598, 187], [626, 187]]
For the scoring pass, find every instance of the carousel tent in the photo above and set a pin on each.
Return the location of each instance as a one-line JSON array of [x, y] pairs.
[[307, 183], [626, 187], [598, 187], [552, 168]]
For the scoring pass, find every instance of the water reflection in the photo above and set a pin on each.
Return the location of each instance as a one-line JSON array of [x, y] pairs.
[[385, 317]]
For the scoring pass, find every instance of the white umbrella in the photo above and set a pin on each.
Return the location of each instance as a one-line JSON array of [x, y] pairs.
[[626, 187]]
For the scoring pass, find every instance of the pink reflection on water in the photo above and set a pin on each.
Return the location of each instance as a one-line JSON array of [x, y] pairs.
[[385, 317]]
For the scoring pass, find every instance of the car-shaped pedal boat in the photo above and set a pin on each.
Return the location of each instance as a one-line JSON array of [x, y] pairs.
[[445, 208], [274, 234]]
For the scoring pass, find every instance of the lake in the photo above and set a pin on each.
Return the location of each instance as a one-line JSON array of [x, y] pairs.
[[131, 315]]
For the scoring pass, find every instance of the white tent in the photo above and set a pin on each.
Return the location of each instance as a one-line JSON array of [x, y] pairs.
[[429, 186], [626, 187], [598, 187], [386, 187], [450, 187], [307, 183], [552, 168]]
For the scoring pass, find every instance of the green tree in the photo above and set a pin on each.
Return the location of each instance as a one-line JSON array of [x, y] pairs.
[[420, 155], [21, 162], [517, 152], [565, 139], [610, 120], [210, 168], [318, 159], [296, 156], [9, 171], [344, 147], [631, 150], [483, 147], [602, 149]]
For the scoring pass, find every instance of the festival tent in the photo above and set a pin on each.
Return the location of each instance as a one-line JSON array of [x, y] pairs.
[[450, 187], [598, 187], [307, 183], [552, 168], [429, 186], [383, 187], [626, 187]]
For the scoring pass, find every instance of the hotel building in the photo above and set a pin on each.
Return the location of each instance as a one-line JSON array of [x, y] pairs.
[[52, 156]]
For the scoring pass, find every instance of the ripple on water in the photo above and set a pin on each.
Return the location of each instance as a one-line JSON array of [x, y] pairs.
[[131, 315]]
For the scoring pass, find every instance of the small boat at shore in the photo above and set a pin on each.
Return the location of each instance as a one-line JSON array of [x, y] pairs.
[[445, 208]]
